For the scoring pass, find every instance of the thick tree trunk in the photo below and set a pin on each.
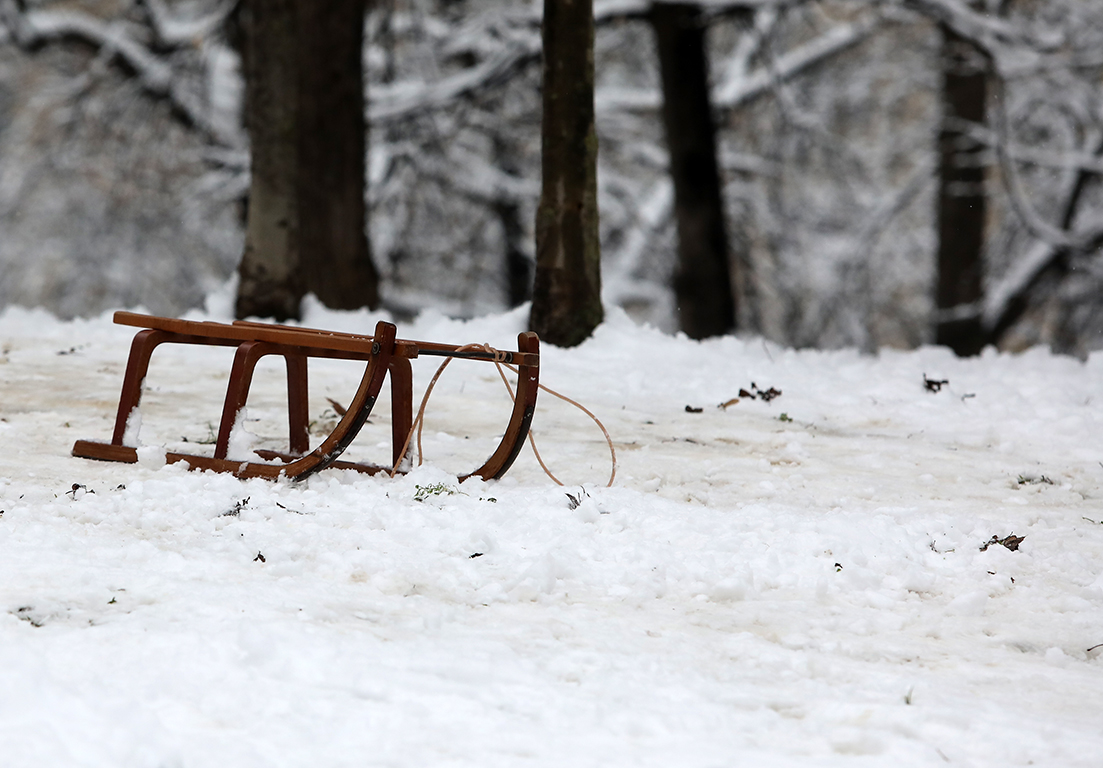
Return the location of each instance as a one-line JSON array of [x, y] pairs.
[[566, 303], [703, 279], [270, 276], [962, 202], [305, 116], [333, 149]]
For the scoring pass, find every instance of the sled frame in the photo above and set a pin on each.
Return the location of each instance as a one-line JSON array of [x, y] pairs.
[[384, 355]]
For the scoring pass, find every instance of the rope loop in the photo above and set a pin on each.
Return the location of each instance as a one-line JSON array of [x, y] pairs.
[[500, 362]]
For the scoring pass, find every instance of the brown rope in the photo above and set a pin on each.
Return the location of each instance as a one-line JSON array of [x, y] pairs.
[[499, 363]]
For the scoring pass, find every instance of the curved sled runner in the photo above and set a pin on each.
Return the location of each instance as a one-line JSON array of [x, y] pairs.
[[383, 353]]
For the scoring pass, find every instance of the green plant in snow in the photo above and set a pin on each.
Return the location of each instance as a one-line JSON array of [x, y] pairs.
[[422, 492]]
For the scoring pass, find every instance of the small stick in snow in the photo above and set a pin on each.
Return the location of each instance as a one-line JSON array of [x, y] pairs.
[[934, 385]]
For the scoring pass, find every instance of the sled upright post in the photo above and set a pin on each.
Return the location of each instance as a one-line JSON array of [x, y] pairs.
[[384, 355]]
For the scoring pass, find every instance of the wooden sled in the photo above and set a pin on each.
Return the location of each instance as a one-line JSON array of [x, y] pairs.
[[383, 353]]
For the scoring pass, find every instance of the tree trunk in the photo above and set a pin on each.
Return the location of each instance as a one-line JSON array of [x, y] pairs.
[[703, 279], [270, 279], [305, 116], [566, 304], [962, 202]]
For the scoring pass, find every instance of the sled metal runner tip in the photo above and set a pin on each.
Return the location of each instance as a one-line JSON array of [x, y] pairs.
[[385, 356]]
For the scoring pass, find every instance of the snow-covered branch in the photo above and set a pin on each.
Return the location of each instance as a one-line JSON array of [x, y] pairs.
[[405, 99], [173, 30], [1012, 47], [969, 23], [879, 219], [605, 10], [475, 178], [740, 88], [1026, 154], [750, 45], [1056, 236], [36, 27], [1000, 296], [1006, 301]]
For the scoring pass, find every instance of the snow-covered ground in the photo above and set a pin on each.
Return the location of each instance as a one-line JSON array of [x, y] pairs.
[[798, 582]]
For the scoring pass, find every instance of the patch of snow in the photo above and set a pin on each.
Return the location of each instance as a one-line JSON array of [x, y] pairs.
[[242, 442], [151, 456], [133, 428], [806, 591]]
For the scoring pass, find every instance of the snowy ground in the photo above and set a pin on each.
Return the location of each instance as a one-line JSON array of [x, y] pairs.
[[791, 583]]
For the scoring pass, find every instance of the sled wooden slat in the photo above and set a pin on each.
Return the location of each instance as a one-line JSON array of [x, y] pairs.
[[384, 354], [315, 338]]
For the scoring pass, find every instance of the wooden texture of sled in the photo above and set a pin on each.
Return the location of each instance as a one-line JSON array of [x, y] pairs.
[[383, 353]]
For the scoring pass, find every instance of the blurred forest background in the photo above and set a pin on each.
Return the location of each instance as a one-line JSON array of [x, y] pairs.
[[892, 170]]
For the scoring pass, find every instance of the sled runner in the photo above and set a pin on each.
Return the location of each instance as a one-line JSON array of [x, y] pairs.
[[383, 354]]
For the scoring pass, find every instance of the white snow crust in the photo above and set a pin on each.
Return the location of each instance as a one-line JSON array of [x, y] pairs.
[[753, 591]]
